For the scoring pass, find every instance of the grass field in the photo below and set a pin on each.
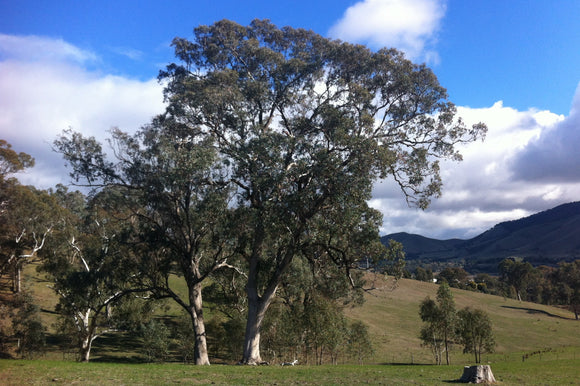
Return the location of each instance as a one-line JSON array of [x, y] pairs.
[[548, 338], [519, 327], [545, 371]]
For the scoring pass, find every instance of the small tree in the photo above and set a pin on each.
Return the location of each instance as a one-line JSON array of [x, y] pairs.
[[360, 345], [155, 337], [431, 332], [455, 276], [474, 329], [90, 269], [27, 326], [440, 319], [422, 274]]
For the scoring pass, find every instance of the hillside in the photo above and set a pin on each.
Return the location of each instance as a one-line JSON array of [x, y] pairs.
[[543, 238], [393, 319], [392, 314]]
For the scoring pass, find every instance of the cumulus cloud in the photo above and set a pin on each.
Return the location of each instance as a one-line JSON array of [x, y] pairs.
[[43, 93], [481, 191], [408, 25], [39, 48], [553, 155]]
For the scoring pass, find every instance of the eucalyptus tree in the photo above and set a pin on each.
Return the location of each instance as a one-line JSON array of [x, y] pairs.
[[27, 220], [12, 162], [440, 318], [474, 329], [90, 268], [307, 124], [22, 229], [168, 183], [516, 274], [567, 280]]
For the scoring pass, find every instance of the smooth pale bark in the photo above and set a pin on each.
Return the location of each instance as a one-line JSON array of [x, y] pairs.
[[257, 307], [85, 352], [201, 356], [85, 325], [256, 312]]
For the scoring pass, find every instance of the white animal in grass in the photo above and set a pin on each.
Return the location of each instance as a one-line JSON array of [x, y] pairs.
[[294, 362]]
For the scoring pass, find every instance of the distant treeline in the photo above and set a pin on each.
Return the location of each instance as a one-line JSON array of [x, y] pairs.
[[518, 279]]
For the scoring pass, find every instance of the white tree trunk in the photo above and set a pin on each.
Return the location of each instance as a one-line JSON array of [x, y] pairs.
[[201, 356], [257, 308]]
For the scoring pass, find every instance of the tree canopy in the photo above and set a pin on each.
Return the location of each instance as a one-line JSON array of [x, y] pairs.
[[299, 127]]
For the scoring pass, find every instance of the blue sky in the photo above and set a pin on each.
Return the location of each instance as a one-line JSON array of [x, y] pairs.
[[91, 65]]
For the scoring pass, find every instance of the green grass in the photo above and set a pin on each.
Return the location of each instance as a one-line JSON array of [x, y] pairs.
[[392, 315], [41, 372], [519, 327]]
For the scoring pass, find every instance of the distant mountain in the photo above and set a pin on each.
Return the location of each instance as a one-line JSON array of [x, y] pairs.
[[543, 238]]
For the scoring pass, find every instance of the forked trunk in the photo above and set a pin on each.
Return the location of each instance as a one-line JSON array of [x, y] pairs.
[[252, 339], [86, 334], [85, 349], [257, 307]]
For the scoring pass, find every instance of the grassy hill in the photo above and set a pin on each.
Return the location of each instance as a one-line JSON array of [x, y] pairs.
[[519, 327], [392, 314], [548, 335]]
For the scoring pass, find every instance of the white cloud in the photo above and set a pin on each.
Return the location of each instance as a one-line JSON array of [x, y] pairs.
[[39, 48], [408, 25], [553, 155], [482, 191], [44, 94], [130, 53]]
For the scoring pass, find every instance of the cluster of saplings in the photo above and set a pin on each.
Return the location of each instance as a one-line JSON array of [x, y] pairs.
[[444, 326], [518, 279], [252, 188]]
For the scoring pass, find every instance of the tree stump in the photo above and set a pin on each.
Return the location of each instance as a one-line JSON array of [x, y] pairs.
[[477, 374]]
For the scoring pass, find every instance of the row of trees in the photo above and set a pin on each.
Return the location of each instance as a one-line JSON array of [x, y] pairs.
[[548, 285], [257, 177], [444, 326], [518, 279]]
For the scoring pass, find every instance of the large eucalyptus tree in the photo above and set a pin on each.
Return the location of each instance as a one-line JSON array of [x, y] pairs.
[[166, 182], [306, 125]]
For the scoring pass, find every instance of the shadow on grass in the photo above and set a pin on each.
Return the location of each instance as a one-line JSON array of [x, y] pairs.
[[128, 360], [536, 311]]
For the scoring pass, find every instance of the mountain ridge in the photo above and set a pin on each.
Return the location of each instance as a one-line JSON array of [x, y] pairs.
[[543, 238]]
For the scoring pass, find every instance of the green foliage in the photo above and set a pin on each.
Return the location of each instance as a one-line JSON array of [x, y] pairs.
[[306, 125], [422, 274], [474, 329], [185, 339], [360, 345], [325, 328], [90, 267], [267, 153], [12, 162], [395, 256], [27, 326], [440, 319], [517, 275], [28, 216], [156, 339], [568, 278], [454, 276]]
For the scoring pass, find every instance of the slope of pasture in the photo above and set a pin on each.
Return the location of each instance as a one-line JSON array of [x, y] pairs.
[[392, 314]]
